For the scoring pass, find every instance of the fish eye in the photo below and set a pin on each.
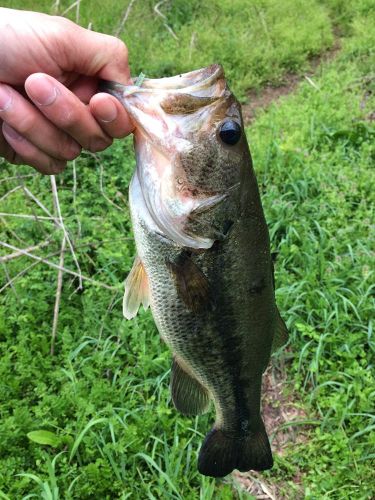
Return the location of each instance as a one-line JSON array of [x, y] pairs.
[[230, 132]]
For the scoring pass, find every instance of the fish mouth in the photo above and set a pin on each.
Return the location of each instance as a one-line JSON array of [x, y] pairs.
[[204, 82], [152, 104], [193, 81]]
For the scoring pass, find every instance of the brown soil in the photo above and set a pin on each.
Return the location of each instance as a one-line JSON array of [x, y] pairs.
[[279, 409], [267, 95]]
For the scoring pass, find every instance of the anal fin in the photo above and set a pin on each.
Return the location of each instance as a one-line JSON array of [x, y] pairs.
[[188, 395], [136, 290]]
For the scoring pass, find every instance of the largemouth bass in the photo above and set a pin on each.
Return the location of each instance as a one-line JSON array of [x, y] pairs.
[[204, 262]]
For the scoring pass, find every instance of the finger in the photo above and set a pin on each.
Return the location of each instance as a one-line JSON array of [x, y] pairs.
[[22, 116], [99, 55], [66, 111], [26, 152], [5, 150], [111, 115]]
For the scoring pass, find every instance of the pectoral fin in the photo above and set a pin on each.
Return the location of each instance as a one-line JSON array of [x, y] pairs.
[[188, 395], [192, 285], [281, 334], [136, 290]]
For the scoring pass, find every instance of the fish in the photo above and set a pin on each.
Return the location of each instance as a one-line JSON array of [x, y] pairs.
[[203, 261]]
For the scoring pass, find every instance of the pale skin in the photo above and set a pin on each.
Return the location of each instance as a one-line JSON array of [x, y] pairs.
[[49, 105]]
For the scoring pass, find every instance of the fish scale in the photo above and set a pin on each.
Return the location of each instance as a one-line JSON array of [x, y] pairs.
[[204, 261]]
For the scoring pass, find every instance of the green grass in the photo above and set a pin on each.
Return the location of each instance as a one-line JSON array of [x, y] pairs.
[[255, 41], [315, 159], [104, 395]]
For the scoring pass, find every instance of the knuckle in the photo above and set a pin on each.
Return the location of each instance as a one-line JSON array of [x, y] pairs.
[[62, 27], [64, 22], [26, 124], [118, 47], [120, 53], [122, 49]]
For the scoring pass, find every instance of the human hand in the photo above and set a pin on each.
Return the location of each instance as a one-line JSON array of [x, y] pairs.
[[49, 73]]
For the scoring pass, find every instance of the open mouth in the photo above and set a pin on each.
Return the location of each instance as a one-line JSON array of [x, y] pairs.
[[194, 82], [205, 82], [189, 96]]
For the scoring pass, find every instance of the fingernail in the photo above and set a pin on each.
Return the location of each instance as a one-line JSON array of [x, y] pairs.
[[5, 98], [11, 133], [42, 91], [108, 113]]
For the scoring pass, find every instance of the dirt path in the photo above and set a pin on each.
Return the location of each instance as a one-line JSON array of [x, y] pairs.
[[269, 94]]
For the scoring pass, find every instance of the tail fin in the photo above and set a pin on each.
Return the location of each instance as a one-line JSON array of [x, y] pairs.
[[220, 454]]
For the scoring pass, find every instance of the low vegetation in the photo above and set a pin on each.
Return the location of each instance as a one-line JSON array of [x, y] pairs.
[[95, 420], [255, 41]]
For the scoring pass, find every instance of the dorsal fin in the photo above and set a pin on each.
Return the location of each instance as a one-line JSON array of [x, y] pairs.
[[136, 290]]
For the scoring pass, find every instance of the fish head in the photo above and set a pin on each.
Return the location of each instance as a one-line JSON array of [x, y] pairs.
[[190, 146]]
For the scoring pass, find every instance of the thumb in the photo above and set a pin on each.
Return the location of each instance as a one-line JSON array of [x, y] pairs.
[[99, 55]]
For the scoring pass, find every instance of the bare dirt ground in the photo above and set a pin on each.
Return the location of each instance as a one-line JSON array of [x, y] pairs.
[[269, 94], [279, 409]]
